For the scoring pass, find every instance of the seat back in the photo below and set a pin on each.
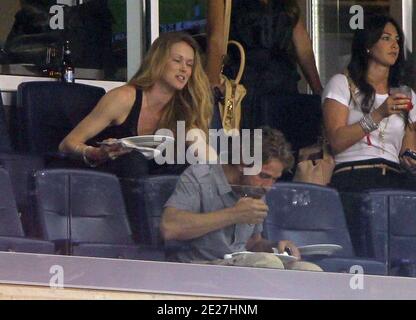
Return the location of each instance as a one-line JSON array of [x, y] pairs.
[[81, 205], [5, 143], [402, 226], [367, 217], [306, 214], [357, 211], [48, 111], [392, 223], [21, 169], [10, 224], [145, 206]]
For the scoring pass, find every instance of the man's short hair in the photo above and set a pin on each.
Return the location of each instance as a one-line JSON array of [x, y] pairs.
[[274, 146]]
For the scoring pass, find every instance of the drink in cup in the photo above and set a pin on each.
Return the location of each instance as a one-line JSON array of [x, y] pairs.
[[407, 91], [249, 191]]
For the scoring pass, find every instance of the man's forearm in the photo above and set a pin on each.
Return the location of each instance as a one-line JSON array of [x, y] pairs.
[[184, 225]]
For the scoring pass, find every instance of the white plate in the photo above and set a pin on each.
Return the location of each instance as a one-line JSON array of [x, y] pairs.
[[150, 141], [285, 258], [319, 249], [149, 153], [231, 255], [144, 144]]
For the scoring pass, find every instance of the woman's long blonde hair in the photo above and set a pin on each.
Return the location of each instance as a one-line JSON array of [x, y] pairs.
[[194, 103]]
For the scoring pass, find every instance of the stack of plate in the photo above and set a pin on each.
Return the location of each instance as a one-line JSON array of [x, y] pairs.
[[147, 144]]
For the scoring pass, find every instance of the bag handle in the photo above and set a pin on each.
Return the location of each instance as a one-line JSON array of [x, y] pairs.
[[352, 87], [242, 60], [227, 22]]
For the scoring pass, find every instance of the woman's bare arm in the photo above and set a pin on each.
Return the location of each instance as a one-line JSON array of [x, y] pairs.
[[215, 40], [305, 56], [112, 109], [341, 136]]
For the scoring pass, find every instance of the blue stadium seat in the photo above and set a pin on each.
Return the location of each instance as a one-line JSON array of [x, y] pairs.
[[145, 199], [310, 214], [390, 228], [48, 111], [5, 143], [12, 237], [83, 212], [21, 168], [367, 216]]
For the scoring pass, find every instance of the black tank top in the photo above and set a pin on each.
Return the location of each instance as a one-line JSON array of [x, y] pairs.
[[129, 127]]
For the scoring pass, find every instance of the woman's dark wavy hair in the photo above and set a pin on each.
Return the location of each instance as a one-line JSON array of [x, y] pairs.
[[365, 39]]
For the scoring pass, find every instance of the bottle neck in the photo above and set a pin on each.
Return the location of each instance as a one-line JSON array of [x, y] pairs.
[[67, 57]]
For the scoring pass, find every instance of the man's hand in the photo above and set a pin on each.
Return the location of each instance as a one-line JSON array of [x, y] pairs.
[[282, 245], [250, 211], [409, 164]]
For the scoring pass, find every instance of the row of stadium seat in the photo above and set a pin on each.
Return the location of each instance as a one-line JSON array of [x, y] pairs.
[[76, 212], [306, 214]]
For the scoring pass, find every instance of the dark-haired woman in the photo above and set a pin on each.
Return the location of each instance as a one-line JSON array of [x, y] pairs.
[[368, 129], [275, 40]]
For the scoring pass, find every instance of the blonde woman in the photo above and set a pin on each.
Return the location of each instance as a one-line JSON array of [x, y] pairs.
[[170, 86]]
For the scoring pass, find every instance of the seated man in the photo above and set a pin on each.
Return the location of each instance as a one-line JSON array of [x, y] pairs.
[[207, 213]]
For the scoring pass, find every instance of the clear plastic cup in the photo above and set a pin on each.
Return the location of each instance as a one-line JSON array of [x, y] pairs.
[[407, 91]]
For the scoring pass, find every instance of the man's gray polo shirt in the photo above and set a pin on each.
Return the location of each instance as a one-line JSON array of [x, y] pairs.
[[202, 189]]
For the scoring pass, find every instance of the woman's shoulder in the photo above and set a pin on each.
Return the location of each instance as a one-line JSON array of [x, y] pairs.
[[124, 91], [337, 88], [337, 82], [338, 78], [125, 94]]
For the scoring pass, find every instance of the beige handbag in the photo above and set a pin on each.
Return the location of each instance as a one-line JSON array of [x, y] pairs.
[[230, 108]]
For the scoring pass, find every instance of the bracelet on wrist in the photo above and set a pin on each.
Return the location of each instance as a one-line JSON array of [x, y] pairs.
[[368, 124]]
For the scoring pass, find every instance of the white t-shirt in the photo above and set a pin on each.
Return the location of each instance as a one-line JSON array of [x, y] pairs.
[[393, 126]]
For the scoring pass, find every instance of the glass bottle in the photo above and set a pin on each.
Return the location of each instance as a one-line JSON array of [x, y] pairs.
[[67, 67]]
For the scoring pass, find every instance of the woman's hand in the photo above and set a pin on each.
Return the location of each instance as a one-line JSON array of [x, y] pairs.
[[109, 149], [409, 164], [394, 104], [112, 149]]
